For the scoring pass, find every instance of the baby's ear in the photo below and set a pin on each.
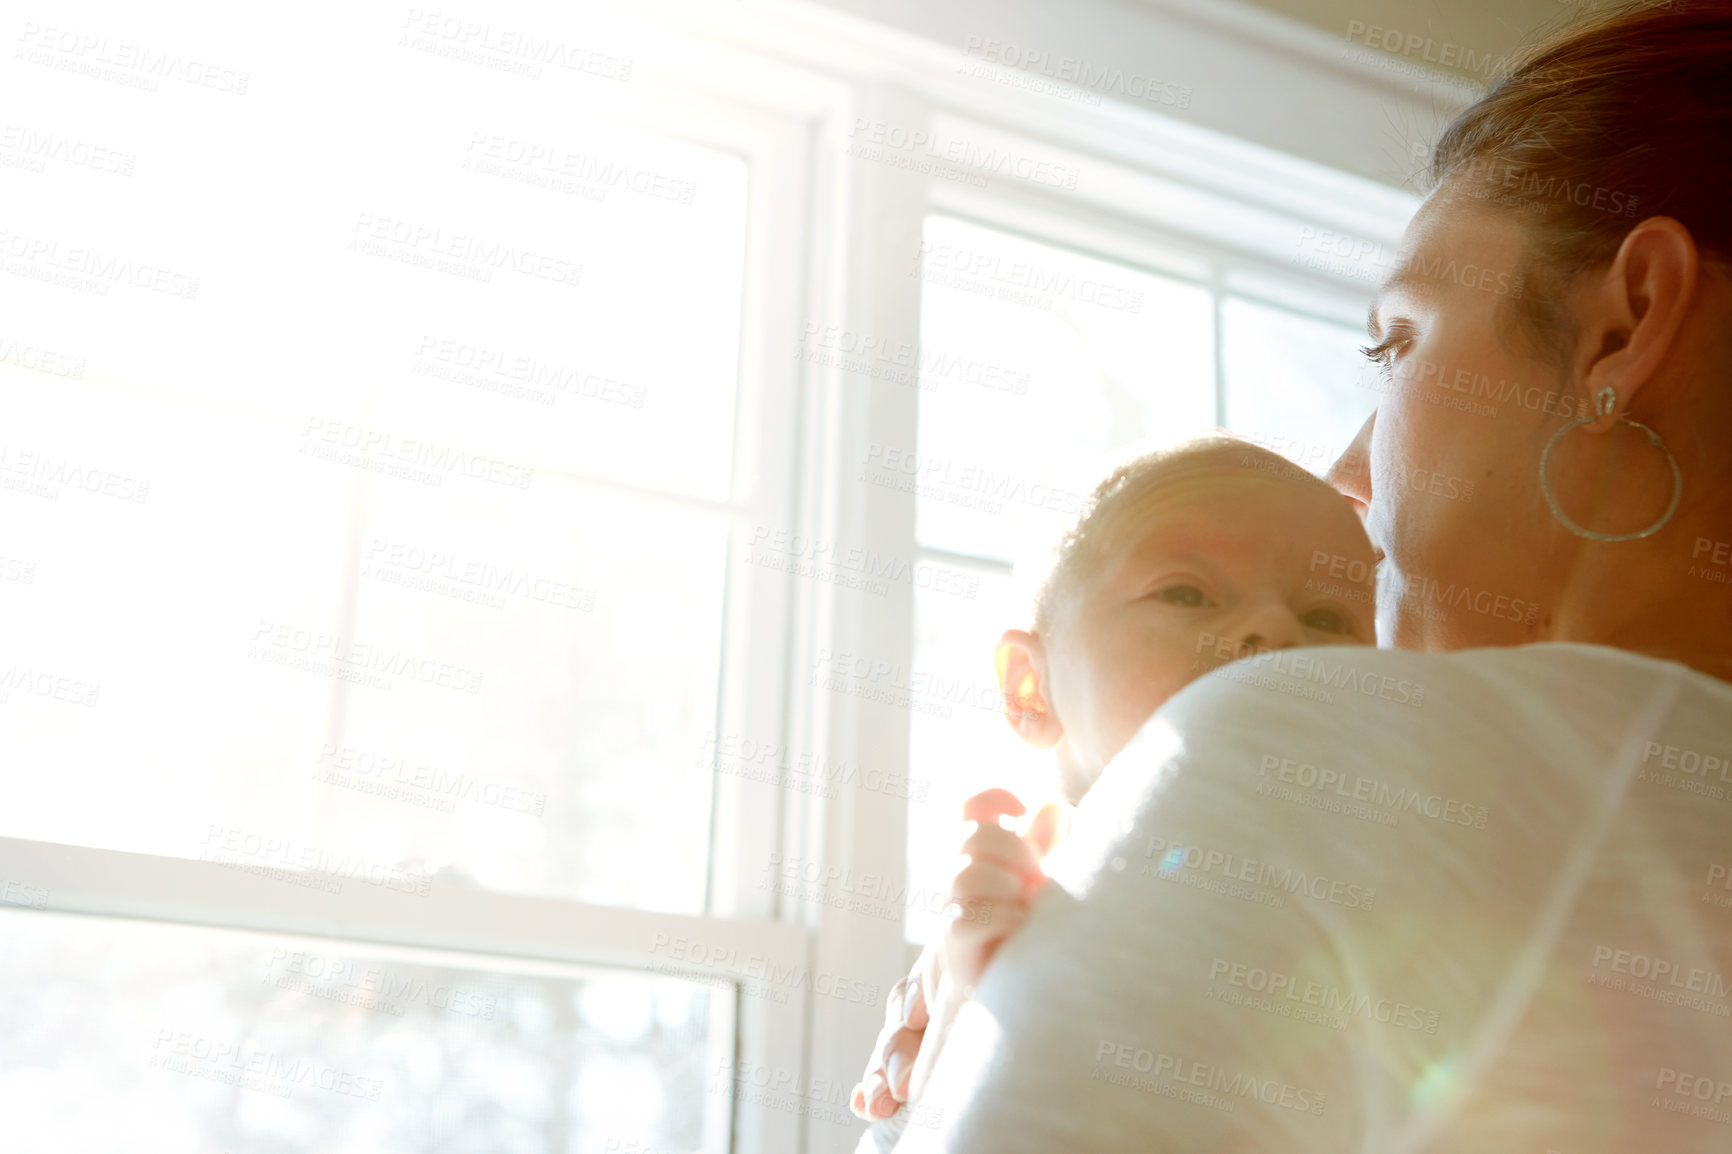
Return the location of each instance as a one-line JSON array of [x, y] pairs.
[[1021, 661]]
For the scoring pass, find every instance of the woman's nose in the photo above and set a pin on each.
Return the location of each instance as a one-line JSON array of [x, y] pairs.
[[1351, 472]]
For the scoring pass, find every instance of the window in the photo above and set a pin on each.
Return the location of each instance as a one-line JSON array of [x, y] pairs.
[[372, 463], [440, 588], [1293, 381], [506, 523], [1111, 355]]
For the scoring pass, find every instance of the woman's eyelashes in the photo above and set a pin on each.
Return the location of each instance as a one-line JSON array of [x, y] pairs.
[[1386, 352]]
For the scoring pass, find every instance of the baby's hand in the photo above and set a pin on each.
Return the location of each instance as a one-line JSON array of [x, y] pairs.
[[993, 890], [990, 894]]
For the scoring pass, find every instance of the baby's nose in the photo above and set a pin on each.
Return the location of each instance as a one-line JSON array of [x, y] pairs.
[[1268, 635]]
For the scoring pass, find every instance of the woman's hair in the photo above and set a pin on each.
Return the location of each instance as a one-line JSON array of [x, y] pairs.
[[1625, 117]]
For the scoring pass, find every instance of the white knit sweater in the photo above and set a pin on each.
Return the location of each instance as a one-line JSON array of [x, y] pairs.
[[1466, 902]]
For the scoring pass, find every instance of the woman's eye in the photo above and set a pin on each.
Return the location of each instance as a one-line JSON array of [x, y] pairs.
[[1187, 595], [1384, 352], [1326, 621]]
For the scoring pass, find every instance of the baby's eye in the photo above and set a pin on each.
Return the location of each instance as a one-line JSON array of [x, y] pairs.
[[1187, 595], [1326, 621]]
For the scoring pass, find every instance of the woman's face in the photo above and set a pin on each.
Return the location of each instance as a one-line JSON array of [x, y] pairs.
[[1448, 466]]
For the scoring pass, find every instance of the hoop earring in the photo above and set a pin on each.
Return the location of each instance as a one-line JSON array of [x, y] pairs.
[[1607, 401]]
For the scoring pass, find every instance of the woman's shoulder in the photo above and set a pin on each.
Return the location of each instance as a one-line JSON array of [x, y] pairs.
[[1389, 738], [1567, 657], [1414, 689]]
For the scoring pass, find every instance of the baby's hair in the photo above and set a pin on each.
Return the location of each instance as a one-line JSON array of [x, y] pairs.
[[1140, 473]]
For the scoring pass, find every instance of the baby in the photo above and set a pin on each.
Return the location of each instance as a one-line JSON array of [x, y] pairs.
[[1182, 560]]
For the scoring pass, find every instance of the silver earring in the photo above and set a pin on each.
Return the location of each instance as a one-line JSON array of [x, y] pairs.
[[1605, 403]]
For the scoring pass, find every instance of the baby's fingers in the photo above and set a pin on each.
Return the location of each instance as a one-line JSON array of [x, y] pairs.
[[984, 881], [986, 806], [885, 1084], [907, 1003], [996, 844], [896, 1000], [992, 922], [1044, 829]]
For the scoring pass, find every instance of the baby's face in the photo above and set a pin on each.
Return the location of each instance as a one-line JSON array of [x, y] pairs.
[[1223, 567]]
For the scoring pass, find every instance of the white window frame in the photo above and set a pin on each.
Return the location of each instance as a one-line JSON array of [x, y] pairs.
[[828, 242], [769, 129]]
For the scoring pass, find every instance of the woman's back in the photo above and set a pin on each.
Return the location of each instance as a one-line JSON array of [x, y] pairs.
[[1373, 900], [1626, 1037]]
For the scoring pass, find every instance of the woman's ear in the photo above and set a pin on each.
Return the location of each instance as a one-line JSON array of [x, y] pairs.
[[1022, 679], [1634, 318]]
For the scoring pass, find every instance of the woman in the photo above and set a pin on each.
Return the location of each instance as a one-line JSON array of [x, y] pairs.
[[1562, 977]]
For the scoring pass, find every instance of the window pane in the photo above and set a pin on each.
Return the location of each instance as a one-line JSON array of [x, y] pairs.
[[1036, 362], [1293, 383], [196, 1039], [389, 235], [291, 429], [509, 700], [134, 707], [594, 624], [1084, 379]]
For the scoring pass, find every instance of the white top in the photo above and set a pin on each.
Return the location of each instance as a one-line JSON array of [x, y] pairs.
[[1476, 901]]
